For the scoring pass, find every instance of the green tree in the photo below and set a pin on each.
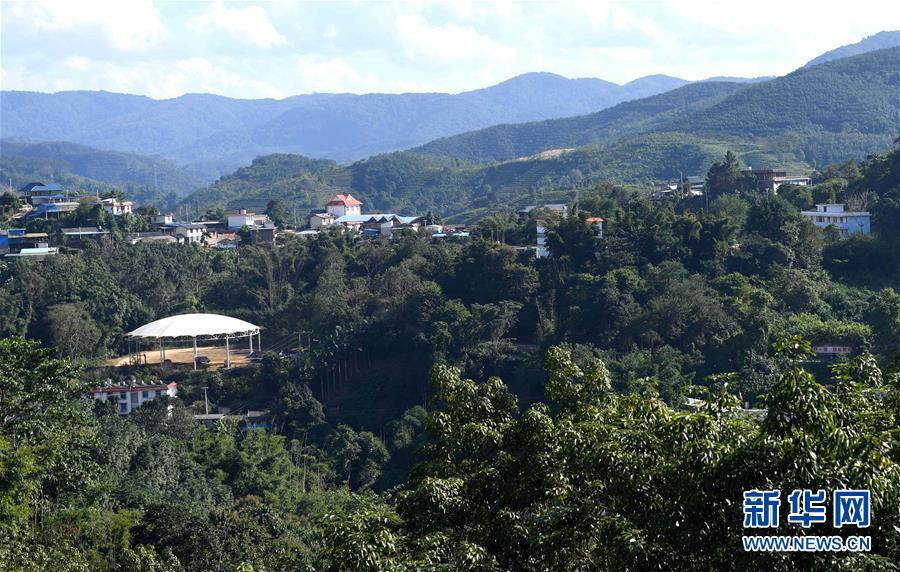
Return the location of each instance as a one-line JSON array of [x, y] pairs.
[[47, 428], [278, 212], [723, 175]]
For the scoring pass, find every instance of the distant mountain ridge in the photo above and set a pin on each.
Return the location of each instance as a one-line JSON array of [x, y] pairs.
[[839, 110], [879, 41], [829, 112], [220, 133]]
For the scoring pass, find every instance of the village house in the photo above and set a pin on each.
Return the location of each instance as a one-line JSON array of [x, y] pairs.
[[598, 224], [152, 236], [318, 220], [16, 242], [77, 235], [346, 211], [116, 207], [847, 222], [342, 205], [832, 350], [188, 232], [244, 218], [770, 179], [263, 234], [128, 396], [162, 219], [692, 185], [38, 189]]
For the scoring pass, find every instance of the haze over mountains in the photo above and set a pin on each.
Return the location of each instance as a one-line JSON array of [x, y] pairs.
[[219, 133], [822, 113], [832, 109], [879, 41], [815, 116]]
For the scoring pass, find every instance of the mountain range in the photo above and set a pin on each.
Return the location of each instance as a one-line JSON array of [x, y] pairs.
[[879, 41], [531, 132], [827, 113], [216, 134], [823, 113]]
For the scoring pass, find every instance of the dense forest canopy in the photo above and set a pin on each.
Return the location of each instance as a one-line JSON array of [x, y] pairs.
[[461, 405]]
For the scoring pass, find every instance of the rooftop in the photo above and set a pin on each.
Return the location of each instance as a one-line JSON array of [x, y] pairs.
[[376, 217], [192, 326], [346, 200], [81, 230]]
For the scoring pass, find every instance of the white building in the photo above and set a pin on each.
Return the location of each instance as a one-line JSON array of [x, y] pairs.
[[320, 220], [116, 207], [542, 250], [189, 232], [832, 350], [162, 219], [847, 222], [343, 205], [771, 179], [128, 396], [244, 218], [598, 224]]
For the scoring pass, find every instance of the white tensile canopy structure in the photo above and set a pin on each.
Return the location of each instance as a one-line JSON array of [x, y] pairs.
[[194, 327]]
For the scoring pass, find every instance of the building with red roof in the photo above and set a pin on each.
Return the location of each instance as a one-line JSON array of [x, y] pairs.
[[341, 205]]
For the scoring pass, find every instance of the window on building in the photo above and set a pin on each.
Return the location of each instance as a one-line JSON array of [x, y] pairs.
[[123, 407]]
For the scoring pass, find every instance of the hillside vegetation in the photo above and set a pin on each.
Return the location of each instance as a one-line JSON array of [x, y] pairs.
[[217, 134], [144, 179], [826, 113], [460, 405]]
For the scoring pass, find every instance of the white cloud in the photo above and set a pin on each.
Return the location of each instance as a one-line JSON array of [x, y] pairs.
[[250, 25], [128, 25], [167, 48], [450, 42]]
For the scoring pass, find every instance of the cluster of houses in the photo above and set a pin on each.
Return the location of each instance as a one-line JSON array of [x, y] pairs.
[[766, 180], [218, 234], [769, 180], [341, 211], [345, 211], [52, 201]]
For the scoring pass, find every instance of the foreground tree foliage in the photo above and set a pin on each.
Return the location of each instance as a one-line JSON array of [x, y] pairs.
[[590, 480], [594, 480], [589, 459]]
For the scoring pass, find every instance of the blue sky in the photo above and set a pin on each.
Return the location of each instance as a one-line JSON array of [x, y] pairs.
[[277, 49]]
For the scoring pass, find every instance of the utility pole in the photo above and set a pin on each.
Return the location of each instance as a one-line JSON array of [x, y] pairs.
[[205, 400]]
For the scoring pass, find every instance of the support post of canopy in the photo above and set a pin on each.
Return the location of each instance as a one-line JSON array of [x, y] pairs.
[[227, 353], [162, 357], [258, 341], [195, 352], [251, 342]]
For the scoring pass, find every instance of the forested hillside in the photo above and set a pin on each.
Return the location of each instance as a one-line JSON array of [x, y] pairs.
[[461, 405], [408, 182], [830, 112], [144, 179]]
